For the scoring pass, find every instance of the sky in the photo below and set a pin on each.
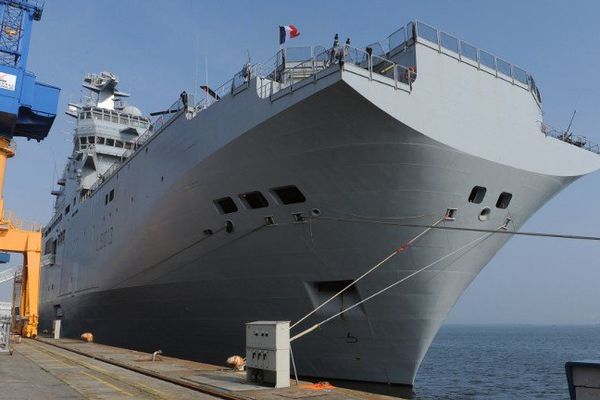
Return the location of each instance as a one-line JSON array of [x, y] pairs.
[[159, 48]]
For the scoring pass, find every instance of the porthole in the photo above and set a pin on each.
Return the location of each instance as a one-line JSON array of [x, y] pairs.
[[485, 214], [289, 194], [315, 212], [504, 200], [226, 205], [477, 194], [254, 200]]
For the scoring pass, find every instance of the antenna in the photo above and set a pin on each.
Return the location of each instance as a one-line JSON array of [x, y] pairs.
[[197, 71], [206, 81], [570, 124]]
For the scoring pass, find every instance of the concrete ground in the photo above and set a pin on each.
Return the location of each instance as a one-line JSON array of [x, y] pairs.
[[72, 369], [20, 378], [38, 371]]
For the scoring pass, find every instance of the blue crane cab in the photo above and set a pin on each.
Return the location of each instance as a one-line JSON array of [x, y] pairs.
[[27, 107]]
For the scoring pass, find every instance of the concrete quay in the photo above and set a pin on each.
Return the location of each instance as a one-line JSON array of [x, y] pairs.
[[73, 369]]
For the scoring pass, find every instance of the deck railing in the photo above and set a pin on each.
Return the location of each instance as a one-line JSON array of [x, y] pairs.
[[102, 114], [571, 138], [293, 72], [469, 54]]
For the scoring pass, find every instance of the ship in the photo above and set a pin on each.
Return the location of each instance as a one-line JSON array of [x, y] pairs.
[[266, 198]]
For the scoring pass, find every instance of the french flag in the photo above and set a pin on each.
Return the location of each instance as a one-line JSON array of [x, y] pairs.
[[287, 30]]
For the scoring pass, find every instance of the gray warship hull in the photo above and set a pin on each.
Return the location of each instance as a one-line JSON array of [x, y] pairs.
[[156, 267]]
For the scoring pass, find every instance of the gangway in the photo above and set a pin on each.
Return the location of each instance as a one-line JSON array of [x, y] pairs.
[[27, 109]]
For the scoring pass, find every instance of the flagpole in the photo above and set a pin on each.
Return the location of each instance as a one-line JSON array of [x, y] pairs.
[[281, 44], [278, 75]]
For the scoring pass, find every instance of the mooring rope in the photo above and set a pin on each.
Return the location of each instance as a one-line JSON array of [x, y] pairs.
[[317, 325], [457, 228], [399, 250]]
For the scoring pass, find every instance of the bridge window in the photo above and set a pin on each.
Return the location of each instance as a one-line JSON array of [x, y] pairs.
[[254, 200], [477, 194], [504, 200], [289, 194], [110, 142]]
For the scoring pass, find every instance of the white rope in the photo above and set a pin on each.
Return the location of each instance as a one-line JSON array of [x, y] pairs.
[[379, 264], [312, 328]]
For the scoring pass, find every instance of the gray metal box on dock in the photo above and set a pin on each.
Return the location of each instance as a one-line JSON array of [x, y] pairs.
[[268, 352]]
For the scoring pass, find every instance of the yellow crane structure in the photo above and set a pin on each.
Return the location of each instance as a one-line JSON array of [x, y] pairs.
[[27, 109], [15, 239]]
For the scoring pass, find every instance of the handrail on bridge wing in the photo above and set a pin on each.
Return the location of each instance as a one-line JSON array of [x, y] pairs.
[[570, 138], [293, 72]]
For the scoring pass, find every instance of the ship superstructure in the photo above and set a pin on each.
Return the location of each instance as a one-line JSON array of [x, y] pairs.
[[106, 129], [287, 183]]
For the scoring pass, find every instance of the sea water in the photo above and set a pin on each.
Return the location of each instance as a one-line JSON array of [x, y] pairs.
[[503, 361]]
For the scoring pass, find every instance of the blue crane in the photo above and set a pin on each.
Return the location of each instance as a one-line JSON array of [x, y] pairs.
[[27, 107]]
